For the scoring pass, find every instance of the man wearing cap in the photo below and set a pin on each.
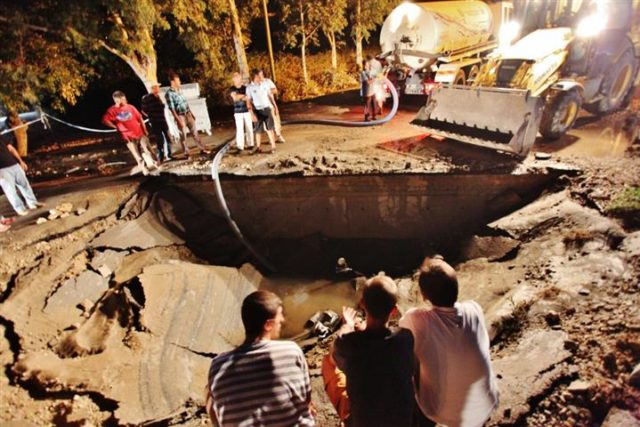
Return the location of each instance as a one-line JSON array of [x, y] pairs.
[[154, 109]]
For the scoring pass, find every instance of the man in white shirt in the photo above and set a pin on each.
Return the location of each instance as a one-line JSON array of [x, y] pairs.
[[260, 103], [276, 112], [455, 385]]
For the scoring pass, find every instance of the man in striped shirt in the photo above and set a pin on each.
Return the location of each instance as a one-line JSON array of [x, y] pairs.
[[263, 382]]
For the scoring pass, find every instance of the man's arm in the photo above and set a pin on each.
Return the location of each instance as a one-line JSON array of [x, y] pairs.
[[15, 154], [251, 108], [141, 121], [172, 107]]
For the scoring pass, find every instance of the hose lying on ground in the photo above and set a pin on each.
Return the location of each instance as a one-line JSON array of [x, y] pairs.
[[217, 159]]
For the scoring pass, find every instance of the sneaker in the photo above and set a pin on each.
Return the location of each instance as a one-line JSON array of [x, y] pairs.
[[4, 227], [37, 206], [169, 159], [22, 212], [6, 221]]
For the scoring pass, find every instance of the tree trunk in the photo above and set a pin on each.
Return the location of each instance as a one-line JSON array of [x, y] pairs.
[[334, 50], [303, 45], [144, 64], [238, 43], [359, 33]]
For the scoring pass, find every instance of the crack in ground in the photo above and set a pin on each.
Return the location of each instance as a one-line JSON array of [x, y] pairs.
[[11, 283], [199, 353]]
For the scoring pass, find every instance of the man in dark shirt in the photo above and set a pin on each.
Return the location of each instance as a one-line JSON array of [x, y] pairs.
[[377, 361], [153, 108], [241, 114], [12, 178]]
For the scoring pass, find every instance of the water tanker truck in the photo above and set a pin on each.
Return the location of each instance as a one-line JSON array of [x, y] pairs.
[[439, 42]]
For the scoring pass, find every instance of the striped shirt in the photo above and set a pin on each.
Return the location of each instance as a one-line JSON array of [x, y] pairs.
[[261, 384]]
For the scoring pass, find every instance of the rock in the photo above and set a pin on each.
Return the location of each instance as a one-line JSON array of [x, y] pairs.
[[584, 292], [579, 386], [65, 207], [41, 220], [552, 318], [542, 156], [490, 247], [65, 215], [634, 378], [53, 214], [87, 286], [620, 418], [143, 232], [108, 258], [529, 371], [609, 363], [81, 211], [105, 271]]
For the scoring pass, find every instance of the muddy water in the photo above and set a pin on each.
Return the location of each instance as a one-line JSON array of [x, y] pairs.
[[303, 297]]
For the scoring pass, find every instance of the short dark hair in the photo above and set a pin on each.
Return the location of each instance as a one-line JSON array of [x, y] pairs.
[[256, 71], [438, 282], [118, 94], [257, 308], [369, 57], [380, 296], [173, 76]]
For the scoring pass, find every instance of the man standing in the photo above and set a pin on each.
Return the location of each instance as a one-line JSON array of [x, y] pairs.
[[12, 177], [277, 123], [261, 101], [183, 115], [456, 385], [153, 107], [377, 362], [128, 121], [19, 134], [241, 114], [263, 382]]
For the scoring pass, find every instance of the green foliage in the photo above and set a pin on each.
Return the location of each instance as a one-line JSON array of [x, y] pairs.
[[626, 201], [35, 65], [372, 14]]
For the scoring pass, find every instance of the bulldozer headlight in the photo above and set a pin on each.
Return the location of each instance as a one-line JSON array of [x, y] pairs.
[[593, 24], [508, 33]]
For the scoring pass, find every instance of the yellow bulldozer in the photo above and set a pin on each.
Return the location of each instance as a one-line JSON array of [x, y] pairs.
[[569, 54]]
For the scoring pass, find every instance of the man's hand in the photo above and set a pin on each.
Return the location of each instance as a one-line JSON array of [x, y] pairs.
[[349, 315], [254, 119], [24, 166], [180, 122]]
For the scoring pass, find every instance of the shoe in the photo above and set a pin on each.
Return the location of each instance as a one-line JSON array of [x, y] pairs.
[[22, 212], [205, 152], [169, 159], [37, 206], [145, 171], [4, 228], [6, 221], [280, 140]]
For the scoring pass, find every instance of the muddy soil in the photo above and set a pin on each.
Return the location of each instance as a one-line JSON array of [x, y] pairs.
[[111, 314]]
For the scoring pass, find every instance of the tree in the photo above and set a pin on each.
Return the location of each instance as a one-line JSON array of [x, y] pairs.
[[303, 21], [365, 17], [238, 41], [333, 23]]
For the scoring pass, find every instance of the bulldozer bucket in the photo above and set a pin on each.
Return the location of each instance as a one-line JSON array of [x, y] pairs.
[[501, 119]]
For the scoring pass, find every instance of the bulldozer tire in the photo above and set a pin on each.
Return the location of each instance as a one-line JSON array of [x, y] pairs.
[[560, 114], [617, 83], [473, 74]]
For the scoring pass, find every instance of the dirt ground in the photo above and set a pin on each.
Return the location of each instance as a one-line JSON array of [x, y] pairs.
[[112, 309]]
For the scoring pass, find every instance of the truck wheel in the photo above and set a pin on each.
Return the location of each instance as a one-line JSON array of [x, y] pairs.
[[473, 74], [617, 83], [460, 78], [560, 114]]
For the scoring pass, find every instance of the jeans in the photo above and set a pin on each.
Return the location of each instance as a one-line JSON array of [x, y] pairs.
[[13, 177], [244, 125], [160, 132]]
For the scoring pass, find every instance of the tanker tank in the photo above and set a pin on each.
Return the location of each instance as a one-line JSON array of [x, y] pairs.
[[418, 33]]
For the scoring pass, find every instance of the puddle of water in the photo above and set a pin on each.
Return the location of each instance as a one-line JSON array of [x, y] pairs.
[[302, 298]]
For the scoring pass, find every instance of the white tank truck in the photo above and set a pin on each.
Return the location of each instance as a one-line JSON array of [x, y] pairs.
[[429, 43]]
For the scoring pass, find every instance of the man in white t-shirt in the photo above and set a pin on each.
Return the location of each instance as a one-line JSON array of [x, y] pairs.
[[260, 106], [455, 385], [276, 111]]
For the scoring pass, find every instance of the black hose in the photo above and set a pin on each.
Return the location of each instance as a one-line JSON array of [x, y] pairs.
[[215, 165]]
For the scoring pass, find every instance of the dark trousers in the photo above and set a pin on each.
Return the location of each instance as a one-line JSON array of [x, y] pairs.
[[160, 133], [369, 107]]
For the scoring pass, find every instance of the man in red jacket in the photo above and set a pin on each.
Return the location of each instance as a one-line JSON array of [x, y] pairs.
[[128, 121]]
